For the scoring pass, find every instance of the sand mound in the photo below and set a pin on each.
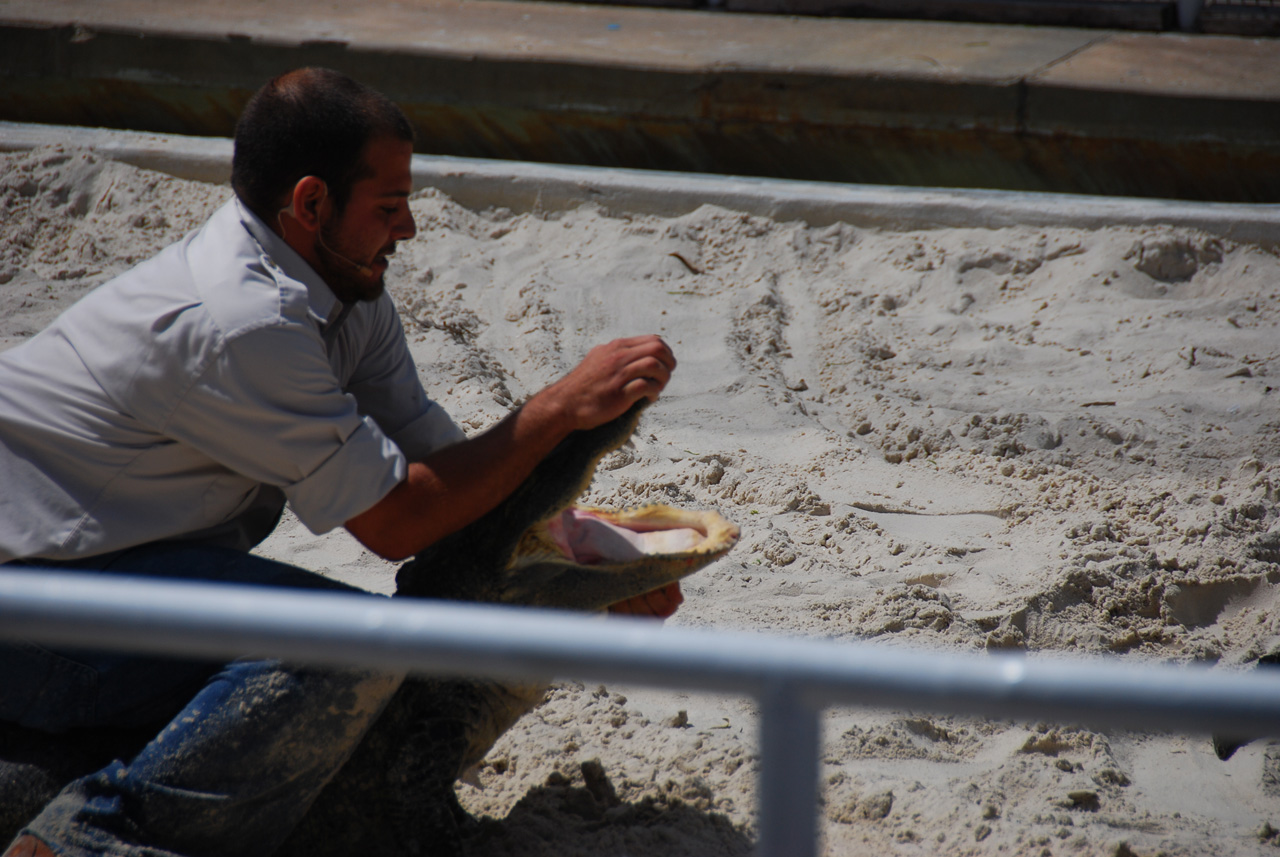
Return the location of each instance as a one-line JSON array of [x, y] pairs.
[[1057, 440]]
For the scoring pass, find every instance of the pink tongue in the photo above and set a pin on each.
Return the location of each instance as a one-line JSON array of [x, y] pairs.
[[584, 538]]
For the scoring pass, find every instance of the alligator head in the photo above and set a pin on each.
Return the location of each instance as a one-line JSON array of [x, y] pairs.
[[539, 549]]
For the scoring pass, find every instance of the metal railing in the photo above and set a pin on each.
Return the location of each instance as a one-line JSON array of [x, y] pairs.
[[793, 679]]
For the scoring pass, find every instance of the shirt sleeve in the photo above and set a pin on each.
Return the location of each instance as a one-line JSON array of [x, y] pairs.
[[269, 407], [387, 388]]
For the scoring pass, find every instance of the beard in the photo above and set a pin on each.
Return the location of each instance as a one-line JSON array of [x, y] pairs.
[[349, 280]]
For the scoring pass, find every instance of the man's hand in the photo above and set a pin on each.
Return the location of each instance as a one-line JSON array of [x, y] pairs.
[[660, 603], [610, 379]]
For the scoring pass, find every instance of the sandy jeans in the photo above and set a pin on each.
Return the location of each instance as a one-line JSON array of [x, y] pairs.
[[236, 767]]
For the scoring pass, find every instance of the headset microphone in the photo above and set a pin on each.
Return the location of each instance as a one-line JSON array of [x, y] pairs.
[[363, 269]]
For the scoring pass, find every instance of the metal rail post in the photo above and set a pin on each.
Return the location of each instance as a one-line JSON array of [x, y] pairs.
[[788, 777]]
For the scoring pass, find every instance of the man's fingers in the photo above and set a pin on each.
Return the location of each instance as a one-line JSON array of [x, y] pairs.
[[643, 369], [664, 602], [642, 388], [652, 345], [660, 603], [648, 370]]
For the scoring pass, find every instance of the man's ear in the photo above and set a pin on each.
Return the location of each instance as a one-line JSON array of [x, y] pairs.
[[307, 202]]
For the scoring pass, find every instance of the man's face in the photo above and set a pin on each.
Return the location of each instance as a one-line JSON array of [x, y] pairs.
[[352, 247]]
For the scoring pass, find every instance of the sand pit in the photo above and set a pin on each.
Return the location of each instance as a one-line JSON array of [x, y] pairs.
[[1055, 440]]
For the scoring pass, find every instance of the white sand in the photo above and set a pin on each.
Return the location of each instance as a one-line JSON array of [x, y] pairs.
[[1058, 440]]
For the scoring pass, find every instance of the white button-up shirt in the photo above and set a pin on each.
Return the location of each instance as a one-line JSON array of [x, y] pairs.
[[193, 395]]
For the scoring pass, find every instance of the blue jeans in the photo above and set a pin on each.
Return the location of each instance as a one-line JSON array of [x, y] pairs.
[[247, 747]]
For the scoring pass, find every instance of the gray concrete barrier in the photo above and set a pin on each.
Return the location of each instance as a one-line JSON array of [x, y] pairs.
[[519, 186]]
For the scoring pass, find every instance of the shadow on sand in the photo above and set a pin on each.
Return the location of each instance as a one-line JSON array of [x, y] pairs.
[[563, 819], [559, 819]]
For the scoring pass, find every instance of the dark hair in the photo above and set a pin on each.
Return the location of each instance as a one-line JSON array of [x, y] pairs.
[[308, 122]]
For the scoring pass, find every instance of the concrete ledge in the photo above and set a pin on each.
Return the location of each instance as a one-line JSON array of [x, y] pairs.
[[894, 102], [205, 159], [480, 184]]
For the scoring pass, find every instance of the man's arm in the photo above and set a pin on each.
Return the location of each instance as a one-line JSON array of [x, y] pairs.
[[457, 485]]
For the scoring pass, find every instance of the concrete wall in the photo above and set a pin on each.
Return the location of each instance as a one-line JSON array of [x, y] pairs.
[[890, 102]]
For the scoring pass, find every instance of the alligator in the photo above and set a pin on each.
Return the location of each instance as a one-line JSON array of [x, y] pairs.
[[396, 794], [537, 548]]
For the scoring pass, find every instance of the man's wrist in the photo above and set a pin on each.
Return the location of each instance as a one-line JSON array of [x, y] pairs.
[[551, 411]]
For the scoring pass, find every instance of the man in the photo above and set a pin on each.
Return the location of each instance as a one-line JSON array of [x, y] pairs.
[[160, 425]]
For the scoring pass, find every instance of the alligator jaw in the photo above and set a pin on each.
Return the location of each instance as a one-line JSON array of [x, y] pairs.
[[589, 558]]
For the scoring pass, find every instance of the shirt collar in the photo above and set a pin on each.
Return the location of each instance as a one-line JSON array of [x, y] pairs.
[[277, 253]]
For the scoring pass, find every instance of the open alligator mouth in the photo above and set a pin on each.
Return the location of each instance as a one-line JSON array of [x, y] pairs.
[[538, 548], [586, 558], [592, 535]]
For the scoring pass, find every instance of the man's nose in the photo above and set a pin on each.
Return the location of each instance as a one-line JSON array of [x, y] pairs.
[[405, 228]]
